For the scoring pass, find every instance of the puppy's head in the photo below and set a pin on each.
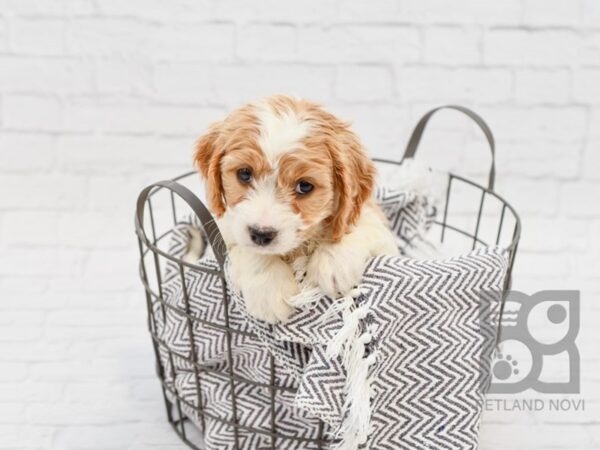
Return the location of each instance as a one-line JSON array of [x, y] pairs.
[[284, 171]]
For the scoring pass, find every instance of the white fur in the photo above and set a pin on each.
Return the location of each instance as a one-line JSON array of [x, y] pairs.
[[337, 267], [195, 246], [279, 133], [265, 282]]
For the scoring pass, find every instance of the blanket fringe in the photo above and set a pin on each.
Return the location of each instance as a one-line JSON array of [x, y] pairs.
[[306, 298], [349, 344]]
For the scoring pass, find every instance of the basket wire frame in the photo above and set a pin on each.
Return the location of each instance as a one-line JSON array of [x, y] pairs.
[[149, 246], [149, 249]]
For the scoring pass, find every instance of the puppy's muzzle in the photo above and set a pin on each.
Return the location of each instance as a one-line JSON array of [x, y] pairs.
[[262, 236]]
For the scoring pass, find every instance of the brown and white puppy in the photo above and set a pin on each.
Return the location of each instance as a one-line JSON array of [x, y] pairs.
[[288, 180]]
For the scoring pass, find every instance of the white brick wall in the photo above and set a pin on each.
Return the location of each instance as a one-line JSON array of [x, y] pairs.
[[99, 97]]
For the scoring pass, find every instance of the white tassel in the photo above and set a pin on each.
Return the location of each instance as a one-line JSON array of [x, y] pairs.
[[340, 306], [349, 344], [357, 423], [306, 298], [342, 341]]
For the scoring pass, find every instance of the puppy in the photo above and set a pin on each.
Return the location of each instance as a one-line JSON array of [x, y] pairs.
[[289, 182]]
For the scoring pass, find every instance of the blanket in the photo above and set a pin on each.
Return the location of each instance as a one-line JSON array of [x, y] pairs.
[[396, 364]]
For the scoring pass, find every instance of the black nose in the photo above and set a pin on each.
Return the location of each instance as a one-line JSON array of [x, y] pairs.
[[262, 236]]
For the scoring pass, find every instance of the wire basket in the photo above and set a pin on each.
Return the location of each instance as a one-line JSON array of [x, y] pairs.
[[473, 215]]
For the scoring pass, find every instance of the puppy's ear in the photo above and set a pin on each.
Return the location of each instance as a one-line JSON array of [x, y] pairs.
[[354, 179], [207, 158]]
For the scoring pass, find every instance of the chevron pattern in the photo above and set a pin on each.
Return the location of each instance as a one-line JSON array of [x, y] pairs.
[[424, 318], [409, 215]]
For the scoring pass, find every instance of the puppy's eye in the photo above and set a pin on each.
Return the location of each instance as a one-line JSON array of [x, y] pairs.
[[303, 187], [244, 175]]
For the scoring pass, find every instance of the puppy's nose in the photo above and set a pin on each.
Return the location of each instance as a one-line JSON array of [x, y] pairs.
[[262, 236]]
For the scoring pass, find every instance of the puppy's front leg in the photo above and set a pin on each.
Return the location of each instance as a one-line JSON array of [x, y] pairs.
[[265, 282], [337, 267]]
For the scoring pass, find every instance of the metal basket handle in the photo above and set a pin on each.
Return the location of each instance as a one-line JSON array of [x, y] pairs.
[[415, 138], [213, 234]]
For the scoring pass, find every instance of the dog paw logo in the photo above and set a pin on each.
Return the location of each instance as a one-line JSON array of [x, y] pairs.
[[504, 367], [536, 346]]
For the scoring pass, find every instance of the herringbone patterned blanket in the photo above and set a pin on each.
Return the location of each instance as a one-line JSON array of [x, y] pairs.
[[395, 365]]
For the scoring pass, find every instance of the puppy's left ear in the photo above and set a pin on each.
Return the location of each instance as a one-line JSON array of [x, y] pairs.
[[354, 179], [207, 158]]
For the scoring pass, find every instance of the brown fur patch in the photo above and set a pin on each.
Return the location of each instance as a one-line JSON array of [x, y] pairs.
[[313, 167], [248, 157], [237, 132]]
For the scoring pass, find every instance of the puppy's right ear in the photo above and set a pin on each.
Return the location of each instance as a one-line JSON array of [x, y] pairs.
[[207, 158]]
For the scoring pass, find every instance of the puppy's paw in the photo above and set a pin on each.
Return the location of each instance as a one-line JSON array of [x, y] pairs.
[[195, 246], [336, 268], [265, 282], [271, 304]]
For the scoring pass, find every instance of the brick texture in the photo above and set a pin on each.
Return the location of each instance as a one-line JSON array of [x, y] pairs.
[[100, 97]]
